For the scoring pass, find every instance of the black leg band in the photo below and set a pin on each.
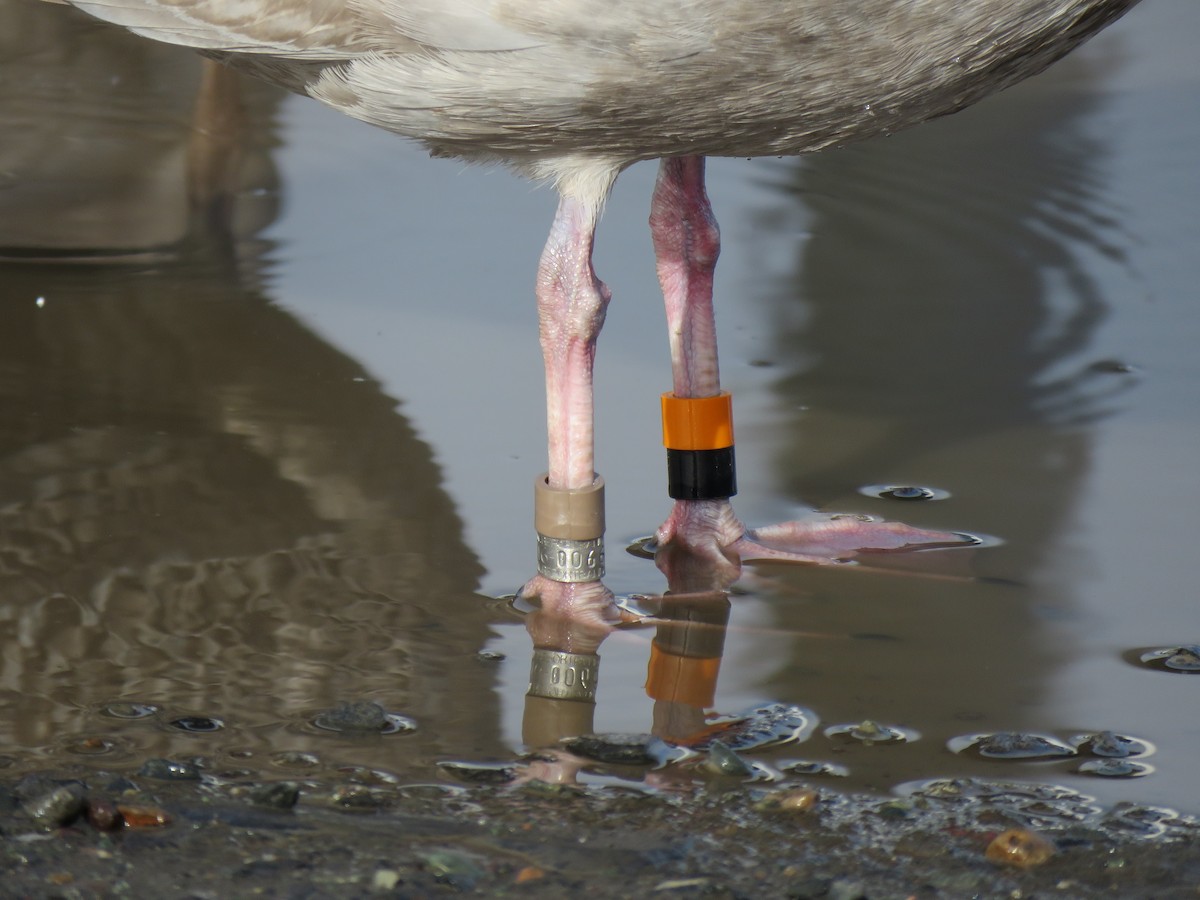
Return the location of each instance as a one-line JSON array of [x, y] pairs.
[[701, 474]]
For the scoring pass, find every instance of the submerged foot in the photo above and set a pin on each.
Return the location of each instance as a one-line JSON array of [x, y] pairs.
[[582, 603], [710, 528]]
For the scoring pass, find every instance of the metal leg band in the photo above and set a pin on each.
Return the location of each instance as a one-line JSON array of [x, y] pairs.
[[563, 676], [570, 561]]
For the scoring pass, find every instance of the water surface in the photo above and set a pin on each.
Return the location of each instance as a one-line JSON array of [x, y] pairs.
[[253, 468]]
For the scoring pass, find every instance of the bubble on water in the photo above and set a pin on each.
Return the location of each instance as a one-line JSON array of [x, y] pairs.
[[125, 710], [197, 724], [1010, 745], [89, 745], [906, 492]]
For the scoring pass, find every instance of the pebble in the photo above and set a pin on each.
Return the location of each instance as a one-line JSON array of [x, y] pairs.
[[1020, 848], [453, 868], [102, 814], [480, 773], [723, 761], [359, 717], [137, 815], [798, 801], [385, 879], [61, 805], [843, 889], [619, 749], [275, 794]]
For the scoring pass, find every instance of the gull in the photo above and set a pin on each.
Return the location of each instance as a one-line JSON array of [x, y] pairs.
[[572, 92]]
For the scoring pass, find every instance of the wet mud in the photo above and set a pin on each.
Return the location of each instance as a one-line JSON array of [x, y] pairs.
[[190, 838]]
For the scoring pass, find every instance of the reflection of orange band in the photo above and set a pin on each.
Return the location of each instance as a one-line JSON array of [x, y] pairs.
[[697, 423], [682, 679]]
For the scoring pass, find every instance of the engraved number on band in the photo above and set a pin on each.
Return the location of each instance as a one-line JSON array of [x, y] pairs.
[[569, 676], [570, 561], [577, 559]]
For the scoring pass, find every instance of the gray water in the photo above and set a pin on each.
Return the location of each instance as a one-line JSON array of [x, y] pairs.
[[248, 472]]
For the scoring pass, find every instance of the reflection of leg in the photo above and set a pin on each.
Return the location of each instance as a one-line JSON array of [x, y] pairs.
[[561, 700], [216, 144], [686, 244]]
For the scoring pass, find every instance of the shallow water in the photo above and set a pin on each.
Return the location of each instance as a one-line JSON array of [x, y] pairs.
[[246, 474]]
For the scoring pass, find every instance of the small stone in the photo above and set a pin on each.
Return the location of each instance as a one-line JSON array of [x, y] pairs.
[[123, 710], [59, 806], [1109, 744], [480, 773], [355, 797], [137, 815], [360, 717], [723, 761], [453, 868], [799, 801], [102, 814], [843, 889], [682, 884], [1011, 745], [385, 879], [275, 794], [1114, 768], [1020, 848], [896, 809], [869, 732], [619, 749]]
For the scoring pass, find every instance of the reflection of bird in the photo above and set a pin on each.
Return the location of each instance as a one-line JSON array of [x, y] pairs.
[[573, 92]]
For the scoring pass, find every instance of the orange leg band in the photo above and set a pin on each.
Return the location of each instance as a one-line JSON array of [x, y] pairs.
[[697, 423]]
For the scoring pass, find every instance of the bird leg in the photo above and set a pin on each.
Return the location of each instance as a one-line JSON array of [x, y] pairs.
[[571, 304], [686, 245]]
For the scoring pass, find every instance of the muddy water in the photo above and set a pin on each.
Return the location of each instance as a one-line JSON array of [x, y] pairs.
[[275, 453]]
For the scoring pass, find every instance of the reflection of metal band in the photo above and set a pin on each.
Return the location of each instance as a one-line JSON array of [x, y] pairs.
[[563, 676], [570, 561]]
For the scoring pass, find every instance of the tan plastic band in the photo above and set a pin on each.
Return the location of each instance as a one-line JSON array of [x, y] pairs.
[[569, 515]]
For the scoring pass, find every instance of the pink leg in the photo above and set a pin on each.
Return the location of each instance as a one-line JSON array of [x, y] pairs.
[[686, 245], [571, 305]]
